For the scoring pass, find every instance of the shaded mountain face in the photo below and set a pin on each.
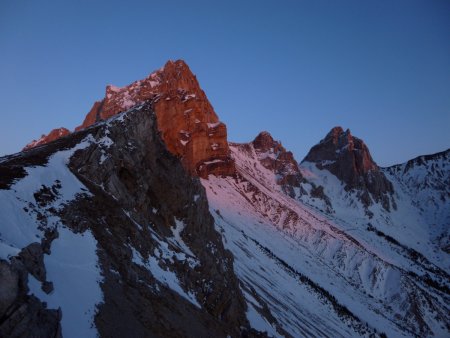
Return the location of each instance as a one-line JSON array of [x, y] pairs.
[[113, 201], [349, 159], [186, 119]]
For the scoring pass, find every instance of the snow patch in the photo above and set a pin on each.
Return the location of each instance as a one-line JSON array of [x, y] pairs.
[[73, 269], [213, 125], [19, 224]]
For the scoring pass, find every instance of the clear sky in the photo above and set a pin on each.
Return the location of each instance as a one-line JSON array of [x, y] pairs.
[[293, 68]]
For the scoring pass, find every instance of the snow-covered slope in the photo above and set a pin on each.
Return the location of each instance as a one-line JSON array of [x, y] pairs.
[[425, 180], [29, 209], [305, 273]]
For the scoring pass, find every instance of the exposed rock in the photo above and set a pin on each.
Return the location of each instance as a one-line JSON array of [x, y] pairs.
[[53, 135], [349, 159], [47, 287], [32, 258], [187, 121], [22, 315], [275, 157], [9, 287], [189, 126]]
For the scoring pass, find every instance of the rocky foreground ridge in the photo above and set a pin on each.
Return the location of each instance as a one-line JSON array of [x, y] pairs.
[[158, 267]]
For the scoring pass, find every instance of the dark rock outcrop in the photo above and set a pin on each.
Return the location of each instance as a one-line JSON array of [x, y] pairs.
[[23, 315], [348, 158]]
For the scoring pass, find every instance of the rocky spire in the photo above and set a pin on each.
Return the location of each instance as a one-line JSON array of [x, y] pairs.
[[348, 158], [186, 119]]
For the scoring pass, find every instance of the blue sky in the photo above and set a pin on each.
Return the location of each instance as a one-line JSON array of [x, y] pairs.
[[293, 68]]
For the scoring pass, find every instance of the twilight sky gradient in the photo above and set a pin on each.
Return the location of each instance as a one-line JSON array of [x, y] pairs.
[[293, 68]]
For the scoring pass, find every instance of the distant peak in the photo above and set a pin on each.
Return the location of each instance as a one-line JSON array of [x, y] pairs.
[[348, 158], [264, 135], [335, 133], [177, 63], [336, 130], [179, 66], [264, 141], [53, 135]]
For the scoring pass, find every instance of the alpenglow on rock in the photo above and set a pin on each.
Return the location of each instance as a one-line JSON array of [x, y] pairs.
[[186, 119], [53, 135]]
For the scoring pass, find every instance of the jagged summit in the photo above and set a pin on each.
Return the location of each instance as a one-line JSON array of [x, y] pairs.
[[174, 76], [264, 141], [271, 155], [186, 119], [348, 158], [335, 133], [343, 146]]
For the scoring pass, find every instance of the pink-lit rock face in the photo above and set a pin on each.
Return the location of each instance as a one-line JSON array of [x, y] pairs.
[[186, 119], [348, 158], [53, 135]]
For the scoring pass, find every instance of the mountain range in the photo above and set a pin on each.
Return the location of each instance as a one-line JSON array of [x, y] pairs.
[[145, 221]]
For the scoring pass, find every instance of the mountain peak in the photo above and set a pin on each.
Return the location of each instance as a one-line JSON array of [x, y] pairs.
[[335, 132], [337, 135], [264, 141], [336, 144], [348, 158], [186, 119], [274, 157]]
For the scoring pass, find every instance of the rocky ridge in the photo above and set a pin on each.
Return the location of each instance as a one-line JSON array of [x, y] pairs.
[[50, 137], [425, 180]]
